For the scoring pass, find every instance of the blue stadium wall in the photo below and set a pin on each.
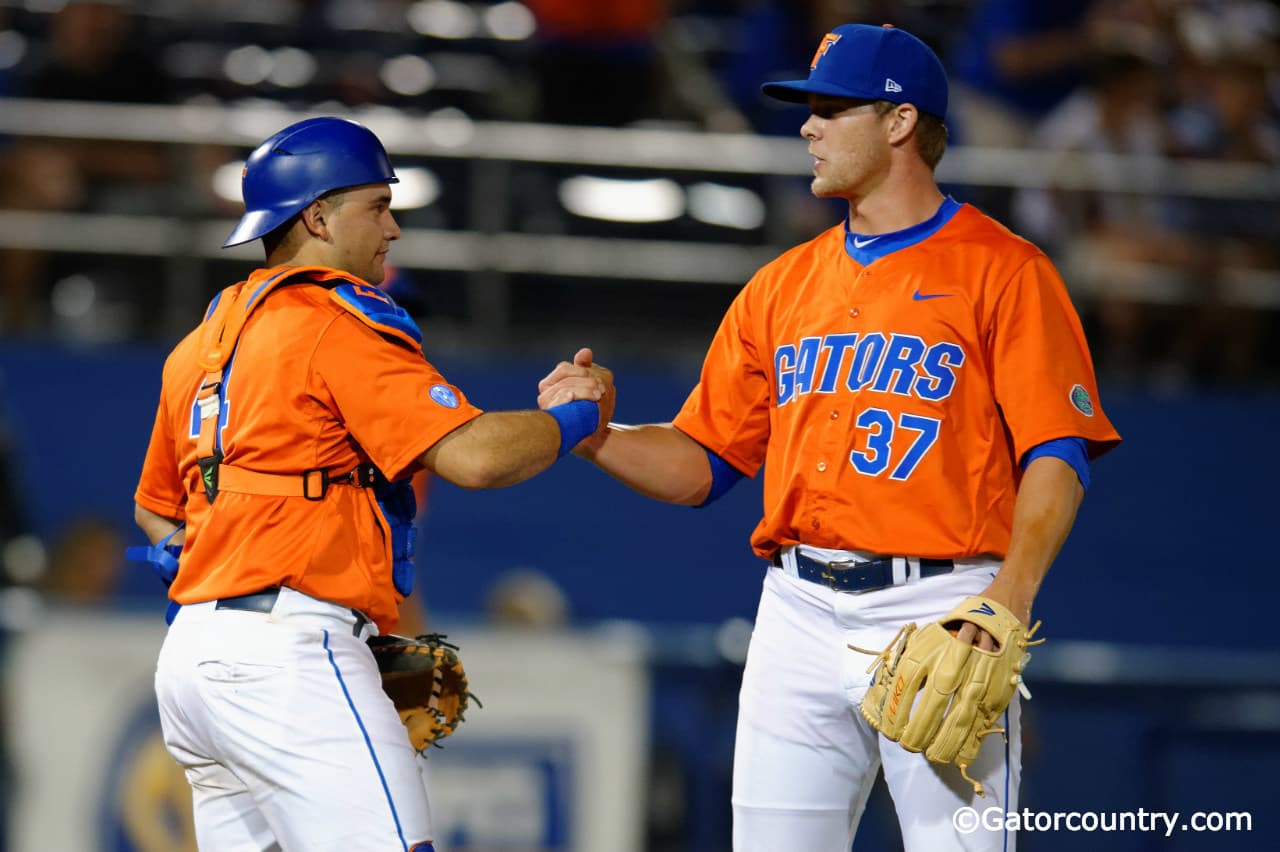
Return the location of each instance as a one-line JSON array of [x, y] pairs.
[[1176, 530]]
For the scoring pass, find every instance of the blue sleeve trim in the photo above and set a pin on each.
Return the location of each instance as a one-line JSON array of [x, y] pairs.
[[1073, 451], [723, 477], [577, 420]]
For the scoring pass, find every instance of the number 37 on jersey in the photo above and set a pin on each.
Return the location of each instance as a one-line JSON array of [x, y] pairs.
[[888, 440]]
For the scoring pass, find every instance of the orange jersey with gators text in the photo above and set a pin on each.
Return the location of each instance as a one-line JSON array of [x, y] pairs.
[[311, 385], [890, 403]]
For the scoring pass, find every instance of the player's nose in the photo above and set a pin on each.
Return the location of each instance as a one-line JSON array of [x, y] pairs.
[[393, 232], [809, 130]]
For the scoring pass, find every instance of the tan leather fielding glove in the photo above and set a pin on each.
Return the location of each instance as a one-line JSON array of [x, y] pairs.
[[933, 693]]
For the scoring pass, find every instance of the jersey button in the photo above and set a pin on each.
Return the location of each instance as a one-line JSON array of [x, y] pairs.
[[853, 312], [814, 524], [835, 415], [822, 466]]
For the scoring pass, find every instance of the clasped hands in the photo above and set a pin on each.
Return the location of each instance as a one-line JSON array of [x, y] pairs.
[[580, 379]]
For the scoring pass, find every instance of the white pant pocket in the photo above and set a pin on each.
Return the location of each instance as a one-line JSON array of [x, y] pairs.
[[218, 671]]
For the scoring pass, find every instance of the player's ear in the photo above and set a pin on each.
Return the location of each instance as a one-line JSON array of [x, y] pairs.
[[314, 219], [902, 123]]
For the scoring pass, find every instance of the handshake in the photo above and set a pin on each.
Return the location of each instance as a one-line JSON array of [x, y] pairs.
[[580, 380]]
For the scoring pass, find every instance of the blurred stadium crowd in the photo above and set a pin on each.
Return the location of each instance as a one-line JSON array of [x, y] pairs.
[[1179, 285]]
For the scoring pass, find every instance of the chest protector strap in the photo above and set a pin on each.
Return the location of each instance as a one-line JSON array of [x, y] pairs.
[[219, 336]]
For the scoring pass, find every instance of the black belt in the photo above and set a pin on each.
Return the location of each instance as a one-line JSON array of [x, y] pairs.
[[859, 576], [265, 601]]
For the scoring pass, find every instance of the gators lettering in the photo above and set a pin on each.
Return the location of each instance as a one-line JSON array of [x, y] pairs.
[[900, 364]]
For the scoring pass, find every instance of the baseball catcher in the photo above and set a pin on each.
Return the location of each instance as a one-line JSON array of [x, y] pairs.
[[938, 693], [425, 680]]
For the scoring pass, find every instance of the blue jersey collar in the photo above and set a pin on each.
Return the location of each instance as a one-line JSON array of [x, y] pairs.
[[866, 248]]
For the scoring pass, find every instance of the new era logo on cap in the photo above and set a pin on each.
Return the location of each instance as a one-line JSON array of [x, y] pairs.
[[890, 85]]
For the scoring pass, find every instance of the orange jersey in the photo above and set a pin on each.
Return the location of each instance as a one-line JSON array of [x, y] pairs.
[[894, 400], [311, 385]]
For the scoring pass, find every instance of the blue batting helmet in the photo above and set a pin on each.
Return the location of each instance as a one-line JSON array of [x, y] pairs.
[[301, 163]]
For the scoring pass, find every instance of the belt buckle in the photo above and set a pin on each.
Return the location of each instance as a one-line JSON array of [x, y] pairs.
[[307, 477], [829, 568]]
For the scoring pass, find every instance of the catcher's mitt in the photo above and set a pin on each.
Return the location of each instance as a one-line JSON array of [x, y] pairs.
[[936, 694], [425, 680]]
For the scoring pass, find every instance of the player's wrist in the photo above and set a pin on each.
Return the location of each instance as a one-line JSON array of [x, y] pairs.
[[1015, 598], [589, 446], [577, 421]]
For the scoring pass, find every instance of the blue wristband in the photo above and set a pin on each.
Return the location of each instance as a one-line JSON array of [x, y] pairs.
[[577, 420]]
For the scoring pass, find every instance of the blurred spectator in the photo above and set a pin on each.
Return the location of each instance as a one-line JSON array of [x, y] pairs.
[[37, 178], [1170, 282], [618, 63], [92, 55], [95, 56], [86, 565], [1117, 111], [1107, 241], [527, 598], [597, 63], [1229, 112], [1016, 60]]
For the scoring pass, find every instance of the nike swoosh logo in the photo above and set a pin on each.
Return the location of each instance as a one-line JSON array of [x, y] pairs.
[[920, 297], [857, 243]]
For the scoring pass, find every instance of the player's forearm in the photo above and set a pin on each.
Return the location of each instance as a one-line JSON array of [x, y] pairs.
[[657, 459], [155, 526], [1048, 497], [496, 449]]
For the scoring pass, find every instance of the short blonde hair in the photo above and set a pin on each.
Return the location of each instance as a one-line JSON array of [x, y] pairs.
[[931, 133]]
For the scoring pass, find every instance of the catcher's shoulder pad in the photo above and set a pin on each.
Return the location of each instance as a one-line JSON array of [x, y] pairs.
[[227, 314], [379, 311]]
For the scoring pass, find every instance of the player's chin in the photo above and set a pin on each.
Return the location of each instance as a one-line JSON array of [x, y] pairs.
[[823, 188]]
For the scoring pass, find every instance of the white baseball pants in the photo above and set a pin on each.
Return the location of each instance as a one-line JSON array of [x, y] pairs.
[[286, 736], [805, 759]]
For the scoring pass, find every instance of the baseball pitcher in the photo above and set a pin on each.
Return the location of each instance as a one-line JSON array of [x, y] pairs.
[[918, 389]]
